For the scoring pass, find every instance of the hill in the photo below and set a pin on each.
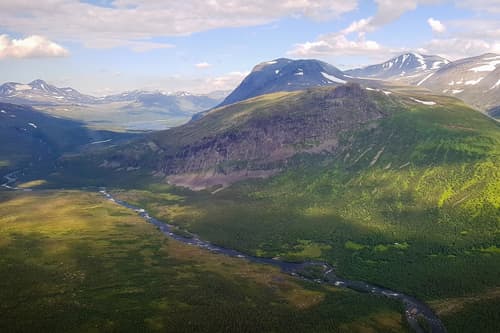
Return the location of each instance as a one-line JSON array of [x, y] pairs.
[[33, 139], [254, 138]]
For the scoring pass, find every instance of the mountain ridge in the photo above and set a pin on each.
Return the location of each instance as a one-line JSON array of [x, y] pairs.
[[409, 63]]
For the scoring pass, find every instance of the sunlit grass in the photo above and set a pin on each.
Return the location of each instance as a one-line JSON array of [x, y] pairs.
[[72, 261]]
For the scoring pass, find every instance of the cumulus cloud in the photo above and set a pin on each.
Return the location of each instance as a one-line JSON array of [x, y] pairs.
[[336, 44], [456, 48], [436, 25], [31, 47], [342, 43], [127, 22], [203, 65], [467, 37]]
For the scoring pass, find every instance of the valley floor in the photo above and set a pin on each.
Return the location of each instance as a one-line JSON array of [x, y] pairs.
[[73, 261]]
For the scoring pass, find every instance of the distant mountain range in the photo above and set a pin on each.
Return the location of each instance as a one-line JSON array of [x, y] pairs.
[[132, 110], [39, 92]]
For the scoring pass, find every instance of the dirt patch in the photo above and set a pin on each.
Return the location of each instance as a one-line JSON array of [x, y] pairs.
[[202, 181], [453, 305]]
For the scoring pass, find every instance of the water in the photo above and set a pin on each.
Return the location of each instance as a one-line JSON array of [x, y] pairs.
[[413, 307]]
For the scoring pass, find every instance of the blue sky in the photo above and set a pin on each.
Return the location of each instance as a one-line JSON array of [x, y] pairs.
[[107, 46]]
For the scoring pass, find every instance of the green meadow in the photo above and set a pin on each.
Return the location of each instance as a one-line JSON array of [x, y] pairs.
[[72, 261]]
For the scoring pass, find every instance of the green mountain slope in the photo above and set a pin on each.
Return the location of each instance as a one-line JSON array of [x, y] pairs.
[[408, 198], [31, 138], [254, 138]]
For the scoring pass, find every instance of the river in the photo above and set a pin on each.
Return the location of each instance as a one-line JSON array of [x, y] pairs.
[[413, 307]]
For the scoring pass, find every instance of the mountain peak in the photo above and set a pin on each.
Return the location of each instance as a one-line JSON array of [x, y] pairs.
[[284, 74], [37, 81], [400, 66], [41, 85]]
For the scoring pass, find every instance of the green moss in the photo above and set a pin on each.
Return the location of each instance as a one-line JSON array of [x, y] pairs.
[[350, 245]]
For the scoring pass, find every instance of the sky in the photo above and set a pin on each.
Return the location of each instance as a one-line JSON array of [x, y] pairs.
[[103, 47]]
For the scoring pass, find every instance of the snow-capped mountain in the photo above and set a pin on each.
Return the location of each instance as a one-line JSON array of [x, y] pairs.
[[286, 75], [134, 110], [475, 80], [39, 92], [404, 65]]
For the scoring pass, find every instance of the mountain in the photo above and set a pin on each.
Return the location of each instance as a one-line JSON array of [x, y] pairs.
[[39, 92], [132, 110], [405, 65], [255, 137], [181, 102], [285, 75], [398, 189], [475, 80]]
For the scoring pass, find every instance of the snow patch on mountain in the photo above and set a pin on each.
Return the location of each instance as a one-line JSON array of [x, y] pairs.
[[496, 85], [486, 67], [423, 102], [332, 78], [473, 82], [22, 87], [425, 79]]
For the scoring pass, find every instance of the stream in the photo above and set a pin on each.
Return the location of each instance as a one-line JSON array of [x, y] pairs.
[[413, 307]]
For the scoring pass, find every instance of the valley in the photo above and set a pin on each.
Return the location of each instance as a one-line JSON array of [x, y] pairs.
[[72, 260], [272, 202]]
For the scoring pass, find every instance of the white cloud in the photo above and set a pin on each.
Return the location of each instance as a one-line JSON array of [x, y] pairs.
[[436, 25], [387, 12], [336, 44], [456, 48], [203, 65], [30, 47], [340, 43], [225, 82], [488, 6], [128, 22], [467, 37]]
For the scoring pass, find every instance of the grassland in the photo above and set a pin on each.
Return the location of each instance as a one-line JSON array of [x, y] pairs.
[[71, 261], [412, 204]]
